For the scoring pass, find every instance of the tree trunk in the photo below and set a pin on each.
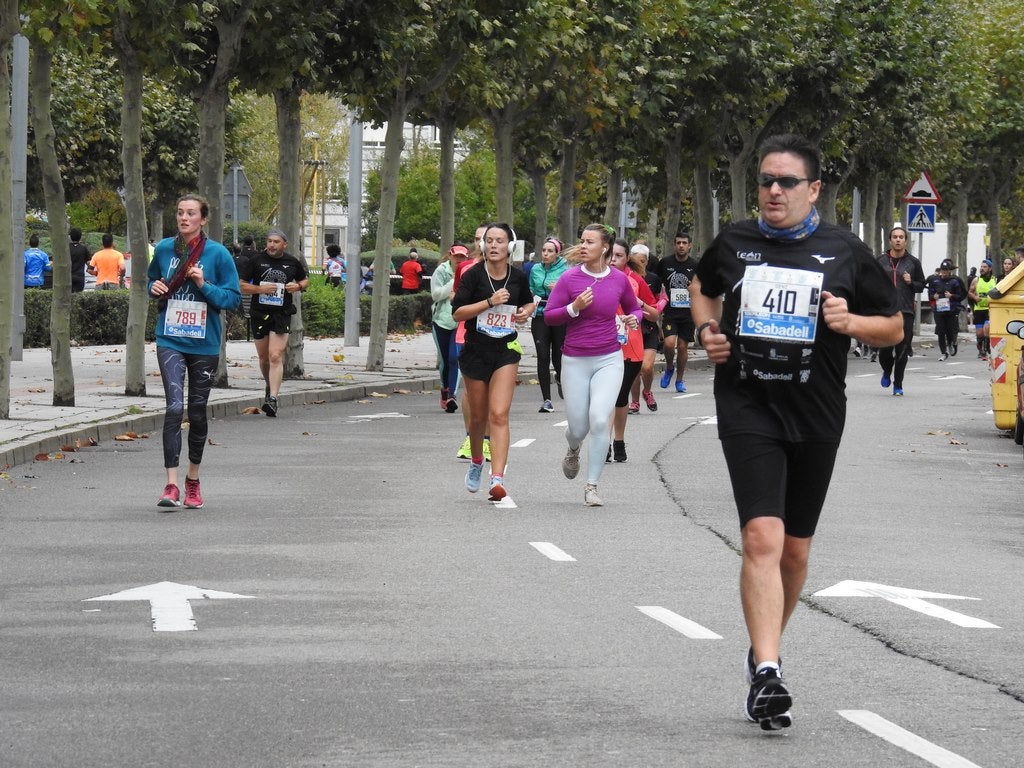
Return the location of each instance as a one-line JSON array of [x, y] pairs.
[[504, 168], [40, 93], [869, 209], [566, 193], [393, 143], [738, 165], [446, 133], [212, 99], [673, 189], [826, 203], [291, 206], [995, 235], [135, 204], [703, 207], [8, 29], [539, 182], [613, 199]]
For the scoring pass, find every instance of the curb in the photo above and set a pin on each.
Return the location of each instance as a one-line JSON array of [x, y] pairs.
[[24, 452]]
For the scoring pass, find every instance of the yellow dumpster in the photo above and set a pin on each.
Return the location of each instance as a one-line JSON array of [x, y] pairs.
[[1006, 331]]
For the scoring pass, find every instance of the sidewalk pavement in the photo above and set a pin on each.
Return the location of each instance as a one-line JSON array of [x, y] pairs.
[[333, 372]]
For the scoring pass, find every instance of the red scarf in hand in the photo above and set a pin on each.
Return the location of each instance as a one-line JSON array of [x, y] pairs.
[[195, 250]]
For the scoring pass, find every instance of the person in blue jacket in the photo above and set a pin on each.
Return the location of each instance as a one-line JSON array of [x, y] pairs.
[[36, 263], [193, 279]]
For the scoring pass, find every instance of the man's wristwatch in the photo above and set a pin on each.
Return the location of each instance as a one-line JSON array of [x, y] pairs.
[[697, 333]]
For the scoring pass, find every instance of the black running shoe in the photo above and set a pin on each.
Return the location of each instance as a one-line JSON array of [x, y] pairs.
[[270, 406], [768, 701]]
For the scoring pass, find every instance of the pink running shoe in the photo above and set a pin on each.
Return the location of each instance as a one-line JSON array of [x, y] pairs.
[[171, 496], [652, 404], [193, 499]]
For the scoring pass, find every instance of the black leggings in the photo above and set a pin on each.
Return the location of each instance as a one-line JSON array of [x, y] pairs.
[[547, 339], [947, 326], [894, 359], [201, 370], [630, 370]]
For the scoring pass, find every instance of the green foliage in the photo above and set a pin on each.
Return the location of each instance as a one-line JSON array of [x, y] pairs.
[[99, 317]]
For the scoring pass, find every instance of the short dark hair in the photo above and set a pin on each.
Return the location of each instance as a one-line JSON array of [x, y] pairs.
[[901, 229], [247, 240], [333, 249], [792, 144], [33, 240], [204, 207], [681, 234], [75, 234], [108, 240]]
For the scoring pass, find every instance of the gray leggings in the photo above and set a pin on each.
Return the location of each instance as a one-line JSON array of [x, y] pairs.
[[590, 386]]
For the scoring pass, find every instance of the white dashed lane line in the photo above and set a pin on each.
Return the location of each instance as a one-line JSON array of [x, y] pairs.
[[552, 552], [680, 624], [905, 740]]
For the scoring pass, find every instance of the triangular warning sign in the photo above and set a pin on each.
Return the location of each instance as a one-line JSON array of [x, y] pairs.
[[922, 191]]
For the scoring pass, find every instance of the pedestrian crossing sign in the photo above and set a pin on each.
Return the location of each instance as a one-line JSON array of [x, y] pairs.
[[921, 217]]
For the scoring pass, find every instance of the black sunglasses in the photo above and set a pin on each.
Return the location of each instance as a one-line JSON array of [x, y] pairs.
[[786, 182]]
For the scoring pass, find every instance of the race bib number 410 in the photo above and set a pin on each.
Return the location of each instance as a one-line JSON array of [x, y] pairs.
[[780, 304]]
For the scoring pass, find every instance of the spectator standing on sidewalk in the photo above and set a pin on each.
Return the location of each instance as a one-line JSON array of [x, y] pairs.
[[412, 272], [271, 278], [193, 279], [36, 263], [108, 265], [907, 276], [80, 256]]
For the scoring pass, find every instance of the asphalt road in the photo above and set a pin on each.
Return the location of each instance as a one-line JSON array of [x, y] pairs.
[[377, 614]]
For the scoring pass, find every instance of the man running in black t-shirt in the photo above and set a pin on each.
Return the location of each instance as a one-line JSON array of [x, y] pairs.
[[776, 301], [271, 278]]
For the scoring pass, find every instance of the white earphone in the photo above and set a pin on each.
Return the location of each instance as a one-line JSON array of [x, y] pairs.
[[511, 242]]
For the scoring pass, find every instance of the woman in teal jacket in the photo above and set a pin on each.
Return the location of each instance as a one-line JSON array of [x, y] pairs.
[[546, 338], [442, 282], [192, 279]]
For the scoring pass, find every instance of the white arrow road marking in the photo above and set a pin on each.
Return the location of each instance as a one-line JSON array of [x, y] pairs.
[[505, 503], [905, 740], [552, 552], [680, 624], [709, 421], [866, 375], [908, 598], [371, 416], [523, 443], [560, 424], [169, 603], [688, 394], [952, 376]]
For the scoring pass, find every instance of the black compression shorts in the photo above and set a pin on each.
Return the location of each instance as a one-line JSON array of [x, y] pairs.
[[777, 478]]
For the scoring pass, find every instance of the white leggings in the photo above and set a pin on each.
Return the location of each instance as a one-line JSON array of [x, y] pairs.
[[590, 386]]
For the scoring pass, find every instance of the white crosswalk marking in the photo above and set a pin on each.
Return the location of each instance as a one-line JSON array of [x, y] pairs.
[[523, 443], [905, 740]]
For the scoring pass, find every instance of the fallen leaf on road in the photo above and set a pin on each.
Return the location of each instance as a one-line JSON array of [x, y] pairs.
[[310, 434], [954, 441], [58, 456], [401, 391], [338, 358], [316, 402], [377, 394], [251, 410], [938, 432], [363, 402], [92, 441], [124, 438], [69, 448], [209, 441], [42, 457], [36, 389]]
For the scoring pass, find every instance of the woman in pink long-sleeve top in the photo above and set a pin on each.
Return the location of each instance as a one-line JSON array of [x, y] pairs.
[[587, 300]]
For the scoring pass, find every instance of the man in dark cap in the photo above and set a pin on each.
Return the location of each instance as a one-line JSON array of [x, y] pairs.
[[271, 277], [946, 291]]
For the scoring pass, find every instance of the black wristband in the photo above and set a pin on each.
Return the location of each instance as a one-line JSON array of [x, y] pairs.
[[697, 333], [489, 302]]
